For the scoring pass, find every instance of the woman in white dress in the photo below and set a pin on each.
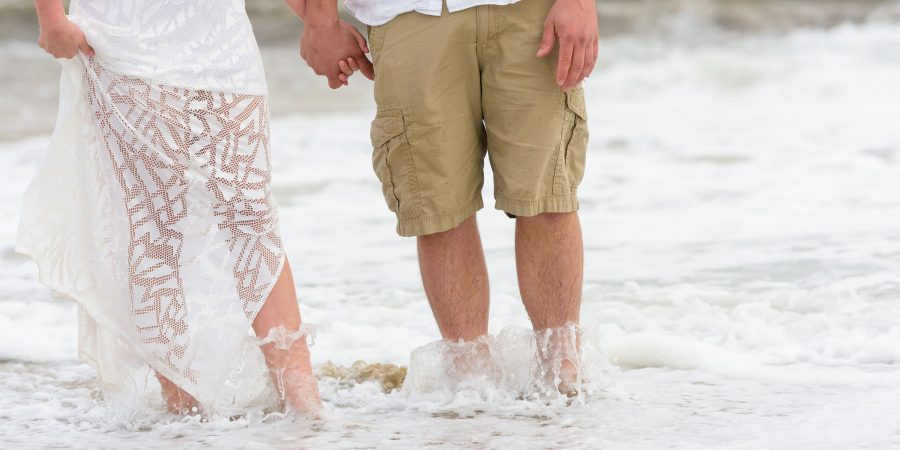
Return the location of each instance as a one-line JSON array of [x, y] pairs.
[[153, 208]]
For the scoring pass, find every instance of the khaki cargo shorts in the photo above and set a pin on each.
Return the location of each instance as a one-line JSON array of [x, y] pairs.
[[453, 88]]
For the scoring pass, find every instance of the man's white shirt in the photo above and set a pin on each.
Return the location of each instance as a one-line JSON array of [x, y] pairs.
[[379, 12]]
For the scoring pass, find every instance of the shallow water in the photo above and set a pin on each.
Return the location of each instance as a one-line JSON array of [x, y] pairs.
[[742, 225]]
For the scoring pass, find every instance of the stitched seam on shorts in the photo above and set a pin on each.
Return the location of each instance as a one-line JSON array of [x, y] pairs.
[[422, 225], [548, 204], [493, 25], [560, 168], [418, 210], [544, 204], [480, 34], [534, 200], [442, 216], [579, 118]]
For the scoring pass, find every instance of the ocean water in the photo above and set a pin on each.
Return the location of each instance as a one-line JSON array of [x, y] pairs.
[[741, 214]]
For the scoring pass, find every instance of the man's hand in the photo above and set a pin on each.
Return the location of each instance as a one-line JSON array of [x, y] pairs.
[[574, 22], [325, 45]]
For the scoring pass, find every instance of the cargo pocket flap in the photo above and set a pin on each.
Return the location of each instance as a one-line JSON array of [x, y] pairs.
[[385, 128], [575, 102]]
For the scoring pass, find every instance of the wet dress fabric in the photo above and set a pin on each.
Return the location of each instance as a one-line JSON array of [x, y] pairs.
[[152, 208]]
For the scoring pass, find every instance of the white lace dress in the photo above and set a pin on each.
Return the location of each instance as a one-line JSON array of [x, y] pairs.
[[153, 208]]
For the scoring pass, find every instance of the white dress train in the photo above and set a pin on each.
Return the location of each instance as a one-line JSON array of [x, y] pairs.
[[153, 207]]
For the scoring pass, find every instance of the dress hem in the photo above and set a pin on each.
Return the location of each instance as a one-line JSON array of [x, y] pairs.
[[103, 322]]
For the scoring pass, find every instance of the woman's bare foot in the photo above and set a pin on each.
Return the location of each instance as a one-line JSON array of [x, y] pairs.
[[285, 349], [177, 400], [287, 357]]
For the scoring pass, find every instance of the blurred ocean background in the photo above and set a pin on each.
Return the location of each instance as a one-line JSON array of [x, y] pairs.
[[741, 213]]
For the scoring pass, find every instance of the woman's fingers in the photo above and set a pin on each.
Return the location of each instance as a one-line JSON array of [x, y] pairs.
[[345, 68]]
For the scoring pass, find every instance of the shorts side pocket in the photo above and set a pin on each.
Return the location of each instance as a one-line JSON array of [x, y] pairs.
[[576, 151], [392, 161], [573, 145]]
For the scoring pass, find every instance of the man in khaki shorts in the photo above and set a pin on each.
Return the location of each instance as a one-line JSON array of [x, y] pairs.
[[455, 81]]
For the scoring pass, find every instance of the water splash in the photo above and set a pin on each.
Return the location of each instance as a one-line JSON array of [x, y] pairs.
[[287, 358], [284, 339], [516, 363]]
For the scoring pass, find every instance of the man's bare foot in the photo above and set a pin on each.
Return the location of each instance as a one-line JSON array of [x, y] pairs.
[[467, 361], [569, 379], [177, 400], [559, 353]]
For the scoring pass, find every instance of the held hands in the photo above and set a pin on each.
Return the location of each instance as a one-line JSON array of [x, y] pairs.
[[63, 39], [574, 23], [335, 51]]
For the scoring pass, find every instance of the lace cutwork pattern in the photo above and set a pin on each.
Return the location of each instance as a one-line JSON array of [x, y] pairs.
[[169, 150], [153, 208]]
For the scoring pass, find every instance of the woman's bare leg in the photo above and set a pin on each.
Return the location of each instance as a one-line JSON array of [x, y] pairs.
[[290, 367]]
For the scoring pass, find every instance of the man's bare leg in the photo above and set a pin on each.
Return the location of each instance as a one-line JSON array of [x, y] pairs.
[[550, 264], [290, 367], [456, 280]]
